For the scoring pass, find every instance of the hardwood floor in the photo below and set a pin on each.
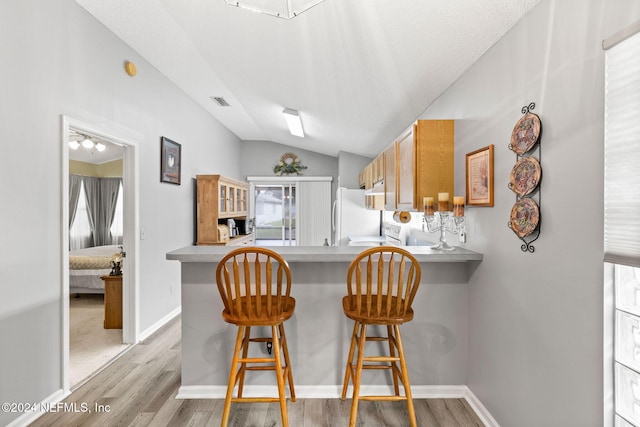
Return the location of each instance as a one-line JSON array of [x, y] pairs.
[[139, 389]]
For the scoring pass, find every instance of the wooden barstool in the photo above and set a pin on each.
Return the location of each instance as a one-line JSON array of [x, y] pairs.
[[381, 285], [255, 286]]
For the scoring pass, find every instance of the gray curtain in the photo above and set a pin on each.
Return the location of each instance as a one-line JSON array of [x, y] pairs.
[[75, 181], [109, 188], [92, 197]]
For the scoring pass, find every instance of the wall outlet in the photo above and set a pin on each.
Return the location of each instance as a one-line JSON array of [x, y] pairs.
[[143, 234], [463, 237]]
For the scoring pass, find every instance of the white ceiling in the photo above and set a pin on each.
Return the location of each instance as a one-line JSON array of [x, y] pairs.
[[110, 153], [358, 71]]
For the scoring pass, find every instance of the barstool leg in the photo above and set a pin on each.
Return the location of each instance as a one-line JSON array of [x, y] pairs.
[[279, 377], [392, 353], [245, 351], [348, 368], [405, 378], [232, 378], [287, 362], [356, 382]]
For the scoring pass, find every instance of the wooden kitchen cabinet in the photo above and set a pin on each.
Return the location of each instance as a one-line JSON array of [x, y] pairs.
[[390, 177], [218, 199], [419, 164]]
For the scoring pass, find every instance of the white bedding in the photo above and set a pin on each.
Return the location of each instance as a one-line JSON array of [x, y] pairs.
[[87, 280]]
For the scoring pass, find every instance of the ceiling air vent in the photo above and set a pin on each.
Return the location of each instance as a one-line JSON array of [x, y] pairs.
[[221, 101]]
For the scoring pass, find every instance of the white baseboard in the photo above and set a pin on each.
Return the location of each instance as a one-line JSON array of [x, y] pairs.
[[28, 417], [159, 324], [334, 392], [480, 410]]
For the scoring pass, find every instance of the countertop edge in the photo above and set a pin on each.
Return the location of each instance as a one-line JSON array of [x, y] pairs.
[[320, 254]]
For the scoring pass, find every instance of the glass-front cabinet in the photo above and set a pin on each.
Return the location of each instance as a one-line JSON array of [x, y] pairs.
[[220, 199]]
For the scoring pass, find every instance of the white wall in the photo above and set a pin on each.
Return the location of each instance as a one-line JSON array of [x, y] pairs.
[[57, 59], [535, 319]]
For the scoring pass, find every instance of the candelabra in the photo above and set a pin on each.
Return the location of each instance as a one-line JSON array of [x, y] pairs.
[[443, 220]]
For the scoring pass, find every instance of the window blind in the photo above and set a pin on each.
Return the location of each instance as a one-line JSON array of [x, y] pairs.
[[622, 153]]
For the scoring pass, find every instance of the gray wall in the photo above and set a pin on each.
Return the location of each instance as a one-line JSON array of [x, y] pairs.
[[349, 167], [259, 158], [535, 319], [62, 61]]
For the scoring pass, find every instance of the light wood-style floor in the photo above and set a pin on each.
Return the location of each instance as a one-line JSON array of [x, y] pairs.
[[139, 389]]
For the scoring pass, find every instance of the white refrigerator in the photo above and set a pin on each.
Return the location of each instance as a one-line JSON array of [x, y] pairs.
[[350, 218]]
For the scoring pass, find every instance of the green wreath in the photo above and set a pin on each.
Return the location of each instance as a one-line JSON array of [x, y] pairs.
[[289, 164]]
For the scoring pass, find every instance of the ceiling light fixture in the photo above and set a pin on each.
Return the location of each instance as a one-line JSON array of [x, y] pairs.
[[87, 143], [293, 121], [286, 9], [78, 140]]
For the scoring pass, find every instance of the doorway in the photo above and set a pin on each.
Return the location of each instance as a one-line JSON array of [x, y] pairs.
[[275, 208], [89, 363]]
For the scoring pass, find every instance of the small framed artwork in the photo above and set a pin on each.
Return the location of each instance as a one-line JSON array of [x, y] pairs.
[[479, 167], [170, 161]]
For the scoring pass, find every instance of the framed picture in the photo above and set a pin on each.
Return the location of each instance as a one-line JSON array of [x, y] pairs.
[[479, 167], [170, 161]]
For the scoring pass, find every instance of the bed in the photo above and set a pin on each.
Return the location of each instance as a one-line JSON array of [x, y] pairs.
[[87, 265]]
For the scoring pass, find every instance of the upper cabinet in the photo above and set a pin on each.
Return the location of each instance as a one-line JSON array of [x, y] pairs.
[[418, 164], [373, 174], [390, 177]]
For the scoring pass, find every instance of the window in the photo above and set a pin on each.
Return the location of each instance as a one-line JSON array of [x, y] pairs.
[[80, 235], [117, 227]]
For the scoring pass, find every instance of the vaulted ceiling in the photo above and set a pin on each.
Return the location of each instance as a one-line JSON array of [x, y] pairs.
[[358, 71]]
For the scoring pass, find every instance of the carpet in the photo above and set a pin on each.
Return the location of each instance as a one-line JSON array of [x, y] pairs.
[[91, 347]]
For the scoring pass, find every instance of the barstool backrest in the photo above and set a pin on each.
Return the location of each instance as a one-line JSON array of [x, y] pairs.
[[382, 282], [254, 283]]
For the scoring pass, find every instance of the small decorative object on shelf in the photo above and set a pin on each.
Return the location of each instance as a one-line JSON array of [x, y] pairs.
[[116, 262], [525, 178], [289, 164], [443, 219]]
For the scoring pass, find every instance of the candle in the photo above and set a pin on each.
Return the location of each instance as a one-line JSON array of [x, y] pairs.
[[443, 202], [458, 206], [428, 205]]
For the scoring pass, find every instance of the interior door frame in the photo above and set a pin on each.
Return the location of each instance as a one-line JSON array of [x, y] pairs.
[[130, 181]]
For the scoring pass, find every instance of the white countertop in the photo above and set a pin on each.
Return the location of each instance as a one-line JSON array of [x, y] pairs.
[[320, 253]]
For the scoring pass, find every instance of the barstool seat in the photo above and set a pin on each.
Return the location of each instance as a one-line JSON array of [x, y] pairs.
[[255, 286], [381, 293]]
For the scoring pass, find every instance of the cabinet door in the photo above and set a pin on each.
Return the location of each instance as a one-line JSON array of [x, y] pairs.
[[379, 162], [233, 190], [405, 171], [241, 201], [224, 197], [390, 177]]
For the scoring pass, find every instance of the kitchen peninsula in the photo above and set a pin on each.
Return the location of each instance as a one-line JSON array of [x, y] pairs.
[[318, 334]]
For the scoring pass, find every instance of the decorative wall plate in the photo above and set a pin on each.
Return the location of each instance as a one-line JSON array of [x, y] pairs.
[[525, 133], [525, 176], [525, 215]]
